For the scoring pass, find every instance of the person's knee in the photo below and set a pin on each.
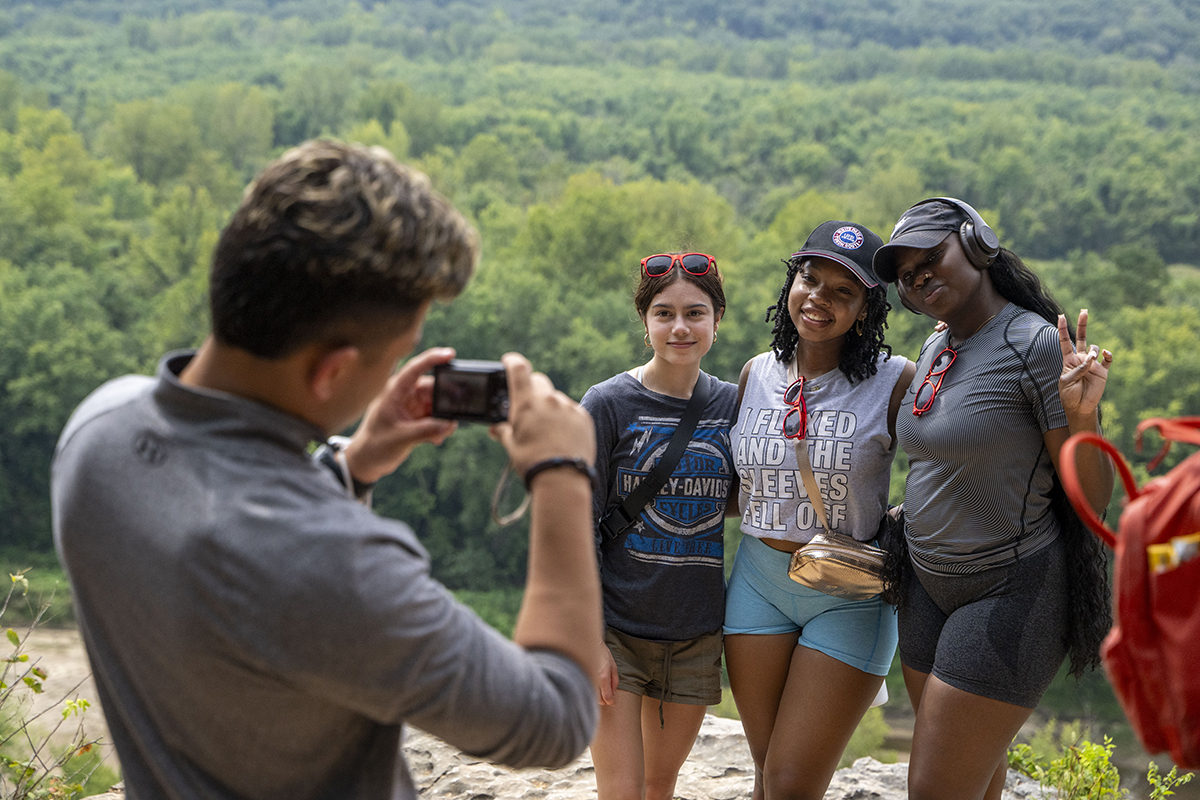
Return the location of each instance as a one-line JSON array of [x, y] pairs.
[[660, 787], [789, 781], [620, 788], [925, 784]]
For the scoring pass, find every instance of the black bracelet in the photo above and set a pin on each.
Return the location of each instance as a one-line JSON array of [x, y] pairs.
[[361, 489], [553, 463], [328, 456]]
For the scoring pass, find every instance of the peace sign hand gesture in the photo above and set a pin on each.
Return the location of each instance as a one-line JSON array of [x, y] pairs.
[[1084, 371]]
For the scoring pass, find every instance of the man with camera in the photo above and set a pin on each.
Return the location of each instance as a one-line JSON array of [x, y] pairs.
[[254, 630]]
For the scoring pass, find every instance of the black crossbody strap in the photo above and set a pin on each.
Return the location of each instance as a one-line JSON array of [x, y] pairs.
[[623, 515]]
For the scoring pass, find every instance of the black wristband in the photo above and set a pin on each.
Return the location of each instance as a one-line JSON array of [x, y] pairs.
[[327, 456], [553, 463], [361, 489]]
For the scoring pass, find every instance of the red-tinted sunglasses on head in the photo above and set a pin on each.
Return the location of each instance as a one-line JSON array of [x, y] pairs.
[[697, 264]]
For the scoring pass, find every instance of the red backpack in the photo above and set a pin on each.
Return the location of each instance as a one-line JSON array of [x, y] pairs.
[[1152, 653]]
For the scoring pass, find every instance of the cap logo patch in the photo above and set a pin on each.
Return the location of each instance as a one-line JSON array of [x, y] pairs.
[[848, 238]]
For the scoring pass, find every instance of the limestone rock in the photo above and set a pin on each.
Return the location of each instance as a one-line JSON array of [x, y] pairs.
[[719, 768]]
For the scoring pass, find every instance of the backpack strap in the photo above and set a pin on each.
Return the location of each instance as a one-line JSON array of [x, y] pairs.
[[1179, 429], [623, 515], [1074, 489]]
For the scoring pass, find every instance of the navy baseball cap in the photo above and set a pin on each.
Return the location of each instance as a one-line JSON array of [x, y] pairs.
[[922, 226], [850, 245]]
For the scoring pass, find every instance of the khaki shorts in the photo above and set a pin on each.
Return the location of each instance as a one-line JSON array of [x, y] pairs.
[[687, 672]]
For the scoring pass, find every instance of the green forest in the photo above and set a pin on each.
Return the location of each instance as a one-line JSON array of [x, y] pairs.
[[580, 137]]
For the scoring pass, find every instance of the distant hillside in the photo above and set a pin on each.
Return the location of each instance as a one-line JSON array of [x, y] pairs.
[[1162, 30]]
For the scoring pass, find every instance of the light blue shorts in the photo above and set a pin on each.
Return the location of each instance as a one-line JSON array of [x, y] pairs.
[[762, 599]]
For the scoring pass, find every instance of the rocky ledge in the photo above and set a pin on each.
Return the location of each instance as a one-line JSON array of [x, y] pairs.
[[719, 768]]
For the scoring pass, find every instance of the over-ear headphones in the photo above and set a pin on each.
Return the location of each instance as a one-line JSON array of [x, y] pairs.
[[979, 242]]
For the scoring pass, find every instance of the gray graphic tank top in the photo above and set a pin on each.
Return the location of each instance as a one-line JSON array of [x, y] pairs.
[[848, 443]]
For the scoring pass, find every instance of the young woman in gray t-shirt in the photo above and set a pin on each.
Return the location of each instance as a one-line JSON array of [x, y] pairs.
[[662, 576]]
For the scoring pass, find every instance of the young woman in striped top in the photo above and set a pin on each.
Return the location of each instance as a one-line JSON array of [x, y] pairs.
[[1005, 583]]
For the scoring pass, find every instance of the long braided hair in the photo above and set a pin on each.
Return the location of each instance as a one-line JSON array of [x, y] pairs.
[[1087, 558], [859, 351]]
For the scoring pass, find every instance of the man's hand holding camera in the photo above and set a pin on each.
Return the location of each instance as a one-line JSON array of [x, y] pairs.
[[543, 422], [399, 419]]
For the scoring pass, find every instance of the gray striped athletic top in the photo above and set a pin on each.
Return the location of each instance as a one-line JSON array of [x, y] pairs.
[[979, 481]]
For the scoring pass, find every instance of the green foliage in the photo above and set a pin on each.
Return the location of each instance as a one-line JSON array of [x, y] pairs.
[[868, 739], [157, 140], [579, 138], [1163, 785], [44, 593], [496, 607], [1084, 770], [1062, 758], [35, 762]]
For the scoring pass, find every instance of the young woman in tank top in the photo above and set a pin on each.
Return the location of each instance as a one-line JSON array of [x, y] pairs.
[[662, 575], [1004, 580], [804, 666]]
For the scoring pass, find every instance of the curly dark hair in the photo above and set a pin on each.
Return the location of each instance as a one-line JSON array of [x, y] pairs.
[[860, 351], [1087, 558]]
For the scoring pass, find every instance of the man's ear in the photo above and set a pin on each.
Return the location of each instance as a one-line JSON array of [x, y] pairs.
[[330, 369]]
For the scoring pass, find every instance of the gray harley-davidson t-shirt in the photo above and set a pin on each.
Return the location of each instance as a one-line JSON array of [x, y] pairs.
[[663, 578]]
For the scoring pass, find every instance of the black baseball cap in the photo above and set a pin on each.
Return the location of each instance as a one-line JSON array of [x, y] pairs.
[[850, 245], [922, 226]]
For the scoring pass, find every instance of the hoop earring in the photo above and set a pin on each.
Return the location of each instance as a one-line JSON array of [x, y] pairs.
[[646, 339], [859, 326]]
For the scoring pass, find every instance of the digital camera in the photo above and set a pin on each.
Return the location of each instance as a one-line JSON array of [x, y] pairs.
[[473, 391]]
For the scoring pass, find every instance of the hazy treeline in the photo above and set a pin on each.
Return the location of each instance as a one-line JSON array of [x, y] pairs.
[[580, 142], [1157, 29]]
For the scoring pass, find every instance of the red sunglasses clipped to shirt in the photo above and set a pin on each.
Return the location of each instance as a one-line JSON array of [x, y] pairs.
[[697, 264], [795, 421], [933, 381]]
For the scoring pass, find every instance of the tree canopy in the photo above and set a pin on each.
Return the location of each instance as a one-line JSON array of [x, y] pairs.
[[580, 137]]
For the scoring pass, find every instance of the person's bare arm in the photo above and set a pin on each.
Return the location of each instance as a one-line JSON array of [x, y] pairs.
[[732, 505]]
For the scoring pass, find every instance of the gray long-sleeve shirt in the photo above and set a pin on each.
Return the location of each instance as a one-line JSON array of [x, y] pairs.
[[256, 633]]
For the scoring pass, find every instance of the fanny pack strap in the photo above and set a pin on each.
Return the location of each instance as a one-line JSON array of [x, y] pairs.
[[805, 465], [623, 515], [810, 482]]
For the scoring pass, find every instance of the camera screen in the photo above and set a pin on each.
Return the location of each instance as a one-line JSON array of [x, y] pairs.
[[464, 394]]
